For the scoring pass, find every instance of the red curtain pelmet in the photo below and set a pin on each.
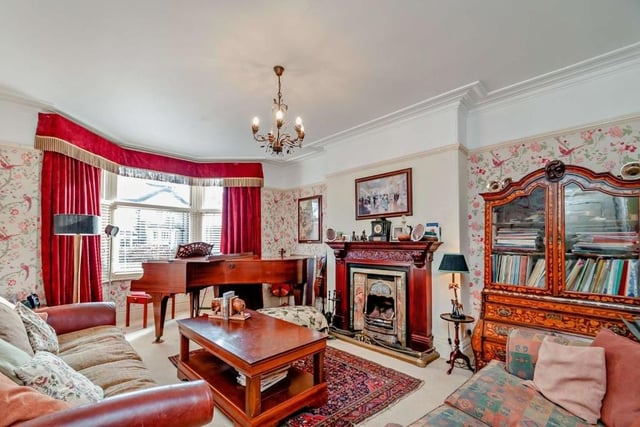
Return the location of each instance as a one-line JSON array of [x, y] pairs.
[[78, 142], [69, 186]]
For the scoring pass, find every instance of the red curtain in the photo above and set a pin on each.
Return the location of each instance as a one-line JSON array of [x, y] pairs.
[[241, 225], [69, 186]]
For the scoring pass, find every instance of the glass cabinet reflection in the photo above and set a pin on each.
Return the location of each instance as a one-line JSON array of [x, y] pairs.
[[601, 242], [518, 241]]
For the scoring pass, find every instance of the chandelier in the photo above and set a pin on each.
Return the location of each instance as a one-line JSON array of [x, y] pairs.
[[280, 142]]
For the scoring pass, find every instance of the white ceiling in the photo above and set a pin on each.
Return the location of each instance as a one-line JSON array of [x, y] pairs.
[[186, 77]]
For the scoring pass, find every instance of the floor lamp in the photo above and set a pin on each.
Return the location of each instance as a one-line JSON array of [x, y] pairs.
[[111, 231], [76, 225]]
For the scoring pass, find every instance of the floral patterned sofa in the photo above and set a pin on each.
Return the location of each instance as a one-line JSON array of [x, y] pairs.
[[548, 379]]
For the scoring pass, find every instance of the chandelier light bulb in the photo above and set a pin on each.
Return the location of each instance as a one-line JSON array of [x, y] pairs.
[[279, 118], [255, 125]]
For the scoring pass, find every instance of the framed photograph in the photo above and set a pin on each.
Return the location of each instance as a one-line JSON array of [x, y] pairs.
[[310, 219], [384, 195], [395, 232]]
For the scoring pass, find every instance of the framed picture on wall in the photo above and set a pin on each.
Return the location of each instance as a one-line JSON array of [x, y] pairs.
[[384, 195], [310, 219]]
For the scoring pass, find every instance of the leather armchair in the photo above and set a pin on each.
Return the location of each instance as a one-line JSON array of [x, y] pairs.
[[189, 405]]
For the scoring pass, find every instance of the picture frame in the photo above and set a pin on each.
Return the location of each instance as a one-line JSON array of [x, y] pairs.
[[384, 195], [310, 219], [395, 232]]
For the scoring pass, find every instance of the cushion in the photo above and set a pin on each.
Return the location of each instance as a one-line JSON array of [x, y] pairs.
[[483, 397], [445, 416], [522, 349], [194, 249], [302, 315], [50, 375], [11, 357], [12, 329], [621, 405], [572, 377], [20, 403], [106, 358], [42, 336], [6, 302]]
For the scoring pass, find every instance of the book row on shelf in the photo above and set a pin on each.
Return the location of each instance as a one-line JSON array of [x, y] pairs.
[[608, 276], [604, 243], [518, 238], [520, 270]]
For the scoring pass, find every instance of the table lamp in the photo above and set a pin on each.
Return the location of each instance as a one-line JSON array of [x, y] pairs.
[[76, 225], [454, 263]]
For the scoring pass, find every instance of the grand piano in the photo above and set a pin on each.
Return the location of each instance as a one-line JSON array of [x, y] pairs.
[[161, 279]]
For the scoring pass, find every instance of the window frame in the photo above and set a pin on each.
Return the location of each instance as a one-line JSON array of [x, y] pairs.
[[109, 204]]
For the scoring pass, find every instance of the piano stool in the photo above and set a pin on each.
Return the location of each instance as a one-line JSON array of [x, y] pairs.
[[138, 297]]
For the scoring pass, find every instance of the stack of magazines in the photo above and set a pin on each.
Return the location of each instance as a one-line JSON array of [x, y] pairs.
[[269, 379]]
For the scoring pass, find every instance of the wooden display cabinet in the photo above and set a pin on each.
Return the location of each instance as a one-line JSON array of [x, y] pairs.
[[561, 253]]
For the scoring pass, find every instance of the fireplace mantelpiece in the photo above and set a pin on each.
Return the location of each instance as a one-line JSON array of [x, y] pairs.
[[416, 256]]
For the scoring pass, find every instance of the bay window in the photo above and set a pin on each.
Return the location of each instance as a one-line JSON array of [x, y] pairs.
[[155, 217]]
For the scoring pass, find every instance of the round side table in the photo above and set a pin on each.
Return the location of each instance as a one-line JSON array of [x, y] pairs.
[[456, 353]]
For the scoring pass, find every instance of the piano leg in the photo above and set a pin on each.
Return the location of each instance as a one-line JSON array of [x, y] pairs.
[[159, 313], [194, 303]]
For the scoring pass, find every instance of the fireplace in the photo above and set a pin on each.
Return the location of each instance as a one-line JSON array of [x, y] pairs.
[[383, 295], [378, 303]]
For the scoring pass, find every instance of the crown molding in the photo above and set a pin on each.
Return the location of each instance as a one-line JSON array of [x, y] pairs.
[[26, 101], [466, 95], [595, 67]]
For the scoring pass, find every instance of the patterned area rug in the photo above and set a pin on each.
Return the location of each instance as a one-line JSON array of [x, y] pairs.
[[358, 389]]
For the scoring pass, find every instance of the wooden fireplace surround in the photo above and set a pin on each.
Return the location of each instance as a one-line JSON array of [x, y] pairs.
[[416, 257]]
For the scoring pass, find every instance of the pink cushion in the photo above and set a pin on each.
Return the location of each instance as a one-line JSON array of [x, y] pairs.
[[623, 379], [21, 403], [572, 377]]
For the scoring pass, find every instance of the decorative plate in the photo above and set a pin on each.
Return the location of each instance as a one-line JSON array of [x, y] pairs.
[[417, 233], [630, 171], [331, 234]]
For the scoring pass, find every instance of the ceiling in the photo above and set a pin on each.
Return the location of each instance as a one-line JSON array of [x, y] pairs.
[[186, 77]]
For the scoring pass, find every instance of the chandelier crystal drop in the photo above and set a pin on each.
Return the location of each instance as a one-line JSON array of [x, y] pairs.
[[280, 142]]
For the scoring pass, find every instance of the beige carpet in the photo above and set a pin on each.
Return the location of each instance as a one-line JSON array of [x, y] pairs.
[[437, 384]]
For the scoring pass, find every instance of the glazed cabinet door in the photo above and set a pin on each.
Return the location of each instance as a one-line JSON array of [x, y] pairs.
[[517, 240], [600, 241]]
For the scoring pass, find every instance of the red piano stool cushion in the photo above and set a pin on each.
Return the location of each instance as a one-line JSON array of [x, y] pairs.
[[280, 290]]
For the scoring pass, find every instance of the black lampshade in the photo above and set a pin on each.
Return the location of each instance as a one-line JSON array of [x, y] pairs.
[[71, 224], [453, 263]]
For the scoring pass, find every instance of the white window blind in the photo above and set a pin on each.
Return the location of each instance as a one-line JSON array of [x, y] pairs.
[[212, 229], [155, 217], [147, 234]]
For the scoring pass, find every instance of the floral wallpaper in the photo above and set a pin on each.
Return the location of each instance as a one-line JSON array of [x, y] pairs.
[[280, 221], [20, 272], [602, 149]]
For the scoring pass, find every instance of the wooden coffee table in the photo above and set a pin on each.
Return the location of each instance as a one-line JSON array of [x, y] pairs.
[[254, 347]]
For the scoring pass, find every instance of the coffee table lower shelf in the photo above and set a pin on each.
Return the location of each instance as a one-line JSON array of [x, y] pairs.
[[277, 402]]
